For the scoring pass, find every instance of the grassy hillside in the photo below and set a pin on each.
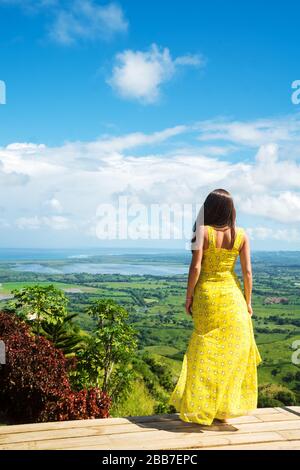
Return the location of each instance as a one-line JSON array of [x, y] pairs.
[[156, 308]]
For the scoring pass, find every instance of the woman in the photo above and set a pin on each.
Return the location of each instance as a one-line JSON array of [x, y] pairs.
[[218, 379]]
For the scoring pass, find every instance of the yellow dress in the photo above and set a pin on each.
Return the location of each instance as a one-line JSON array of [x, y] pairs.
[[218, 377]]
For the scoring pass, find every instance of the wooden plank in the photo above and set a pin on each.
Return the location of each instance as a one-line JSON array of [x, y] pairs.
[[56, 441], [63, 433], [125, 429], [269, 426], [193, 442], [266, 428], [291, 434], [294, 408], [56, 444], [89, 442], [135, 431], [289, 410], [260, 427], [183, 440], [117, 421], [278, 417], [286, 410], [125, 420], [84, 423], [167, 443], [105, 426], [135, 420], [240, 439], [56, 438], [263, 428], [171, 425], [261, 411], [245, 419]]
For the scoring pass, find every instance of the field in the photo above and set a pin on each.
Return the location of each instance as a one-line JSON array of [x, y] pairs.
[[156, 309]]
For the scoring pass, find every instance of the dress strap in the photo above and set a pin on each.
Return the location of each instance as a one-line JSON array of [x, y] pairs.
[[211, 238], [238, 238]]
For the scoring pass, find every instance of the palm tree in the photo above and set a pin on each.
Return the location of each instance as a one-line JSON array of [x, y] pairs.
[[65, 335]]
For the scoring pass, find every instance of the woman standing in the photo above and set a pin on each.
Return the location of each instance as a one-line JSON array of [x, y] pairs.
[[218, 379]]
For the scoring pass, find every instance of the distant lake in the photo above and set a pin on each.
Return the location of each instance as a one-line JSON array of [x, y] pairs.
[[103, 268], [36, 254]]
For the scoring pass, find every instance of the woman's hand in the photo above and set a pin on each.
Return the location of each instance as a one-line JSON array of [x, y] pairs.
[[250, 309], [188, 305]]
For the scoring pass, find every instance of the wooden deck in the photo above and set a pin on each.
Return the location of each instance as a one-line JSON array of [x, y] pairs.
[[267, 428]]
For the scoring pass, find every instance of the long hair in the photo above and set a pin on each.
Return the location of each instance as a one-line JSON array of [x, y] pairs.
[[217, 210]]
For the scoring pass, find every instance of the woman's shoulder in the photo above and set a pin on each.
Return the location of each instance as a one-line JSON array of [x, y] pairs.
[[239, 228], [205, 228], [241, 235]]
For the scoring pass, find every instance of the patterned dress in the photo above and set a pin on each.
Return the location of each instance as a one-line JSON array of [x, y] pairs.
[[218, 377]]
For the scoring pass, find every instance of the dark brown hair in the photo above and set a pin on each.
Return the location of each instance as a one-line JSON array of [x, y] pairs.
[[218, 210]]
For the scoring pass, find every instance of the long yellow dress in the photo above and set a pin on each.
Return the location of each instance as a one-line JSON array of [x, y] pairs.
[[218, 378]]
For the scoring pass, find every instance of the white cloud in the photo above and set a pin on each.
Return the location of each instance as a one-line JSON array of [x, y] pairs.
[[54, 205], [286, 235], [31, 5], [76, 20], [53, 222], [59, 189], [251, 133], [139, 75], [283, 207], [109, 145], [87, 20], [190, 59], [31, 223]]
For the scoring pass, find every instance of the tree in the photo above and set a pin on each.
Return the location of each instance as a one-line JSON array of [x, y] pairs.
[[40, 304], [64, 335], [106, 362], [34, 382]]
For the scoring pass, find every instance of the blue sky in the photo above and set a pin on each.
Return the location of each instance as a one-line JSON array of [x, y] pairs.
[[158, 101]]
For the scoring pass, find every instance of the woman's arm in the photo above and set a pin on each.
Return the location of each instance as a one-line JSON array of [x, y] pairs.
[[194, 273], [247, 271]]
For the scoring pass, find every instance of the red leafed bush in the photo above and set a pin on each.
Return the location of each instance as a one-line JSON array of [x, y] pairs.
[[34, 384]]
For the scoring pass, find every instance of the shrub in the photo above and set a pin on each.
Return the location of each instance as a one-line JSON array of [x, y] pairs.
[[34, 383], [163, 408], [275, 395], [288, 377], [161, 370]]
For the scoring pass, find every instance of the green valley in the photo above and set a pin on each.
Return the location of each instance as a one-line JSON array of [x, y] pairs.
[[155, 304]]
